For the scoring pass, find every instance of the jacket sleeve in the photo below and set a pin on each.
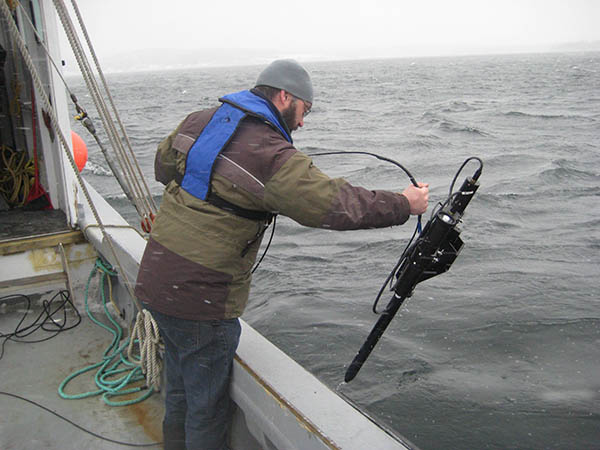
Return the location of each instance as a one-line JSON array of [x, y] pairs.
[[167, 164], [302, 192]]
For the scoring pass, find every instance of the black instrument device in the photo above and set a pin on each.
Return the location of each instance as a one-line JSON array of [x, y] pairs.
[[431, 254]]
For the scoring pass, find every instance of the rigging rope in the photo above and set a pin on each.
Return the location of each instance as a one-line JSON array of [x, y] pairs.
[[153, 206], [142, 207], [139, 192]]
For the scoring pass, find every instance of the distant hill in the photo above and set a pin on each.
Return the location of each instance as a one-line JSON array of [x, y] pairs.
[[584, 46], [165, 59]]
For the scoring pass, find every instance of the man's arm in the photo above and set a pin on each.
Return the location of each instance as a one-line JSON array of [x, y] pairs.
[[302, 192]]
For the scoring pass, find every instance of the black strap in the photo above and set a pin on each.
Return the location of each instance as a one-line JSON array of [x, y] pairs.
[[251, 214]]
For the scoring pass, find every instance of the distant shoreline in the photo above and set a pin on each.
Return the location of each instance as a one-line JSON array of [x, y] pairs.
[[172, 60]]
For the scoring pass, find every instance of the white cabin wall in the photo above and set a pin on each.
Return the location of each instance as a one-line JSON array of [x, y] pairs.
[[58, 167]]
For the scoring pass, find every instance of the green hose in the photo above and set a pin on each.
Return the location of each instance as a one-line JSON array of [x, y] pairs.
[[114, 372]]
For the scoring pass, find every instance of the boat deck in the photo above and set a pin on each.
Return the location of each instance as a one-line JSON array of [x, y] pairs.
[[35, 370], [20, 223], [23, 230]]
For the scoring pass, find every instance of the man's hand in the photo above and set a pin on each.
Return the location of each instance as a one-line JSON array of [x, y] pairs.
[[418, 198]]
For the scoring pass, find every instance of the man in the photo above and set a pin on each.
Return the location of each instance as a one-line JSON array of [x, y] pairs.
[[228, 170]]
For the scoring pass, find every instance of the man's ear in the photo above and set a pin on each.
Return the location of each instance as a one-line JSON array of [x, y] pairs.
[[282, 100], [282, 95]]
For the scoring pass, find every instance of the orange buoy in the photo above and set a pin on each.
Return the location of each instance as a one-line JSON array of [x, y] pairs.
[[80, 152]]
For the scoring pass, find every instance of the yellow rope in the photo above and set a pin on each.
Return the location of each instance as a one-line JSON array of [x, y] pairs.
[[17, 176]]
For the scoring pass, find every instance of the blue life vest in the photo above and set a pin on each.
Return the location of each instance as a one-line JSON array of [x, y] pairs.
[[217, 134]]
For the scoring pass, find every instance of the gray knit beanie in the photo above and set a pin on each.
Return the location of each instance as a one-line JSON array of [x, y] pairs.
[[289, 75]]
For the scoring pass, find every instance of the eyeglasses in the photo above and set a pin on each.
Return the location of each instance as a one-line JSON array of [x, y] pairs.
[[307, 106]]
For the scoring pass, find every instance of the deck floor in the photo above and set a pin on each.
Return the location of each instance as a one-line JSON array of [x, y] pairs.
[[35, 370], [20, 223]]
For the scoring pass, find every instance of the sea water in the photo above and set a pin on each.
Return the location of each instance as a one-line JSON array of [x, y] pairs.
[[503, 351]]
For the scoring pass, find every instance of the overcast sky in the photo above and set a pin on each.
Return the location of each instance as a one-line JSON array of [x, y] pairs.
[[314, 28]]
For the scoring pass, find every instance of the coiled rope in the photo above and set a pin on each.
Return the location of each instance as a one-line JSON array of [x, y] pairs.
[[116, 371], [146, 334], [17, 177]]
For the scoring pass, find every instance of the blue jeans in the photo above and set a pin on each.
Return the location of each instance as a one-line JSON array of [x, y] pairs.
[[198, 358]]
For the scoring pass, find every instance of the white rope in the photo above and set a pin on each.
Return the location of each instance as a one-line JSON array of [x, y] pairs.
[[148, 198], [146, 332], [141, 198], [95, 94]]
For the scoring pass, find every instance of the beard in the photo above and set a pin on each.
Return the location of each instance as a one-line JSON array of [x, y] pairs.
[[289, 116]]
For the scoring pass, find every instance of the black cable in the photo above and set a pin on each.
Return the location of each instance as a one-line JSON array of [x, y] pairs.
[[382, 158], [392, 273], [451, 195], [375, 155], [476, 176], [8, 394], [45, 320], [268, 245]]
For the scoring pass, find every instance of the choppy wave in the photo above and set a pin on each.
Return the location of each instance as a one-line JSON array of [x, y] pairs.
[[520, 114], [457, 106], [567, 170], [413, 371], [96, 169], [437, 122], [451, 126]]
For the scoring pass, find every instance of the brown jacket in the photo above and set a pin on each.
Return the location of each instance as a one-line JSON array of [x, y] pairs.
[[193, 267]]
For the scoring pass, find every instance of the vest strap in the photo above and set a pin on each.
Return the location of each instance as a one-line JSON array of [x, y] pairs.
[[251, 214]]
